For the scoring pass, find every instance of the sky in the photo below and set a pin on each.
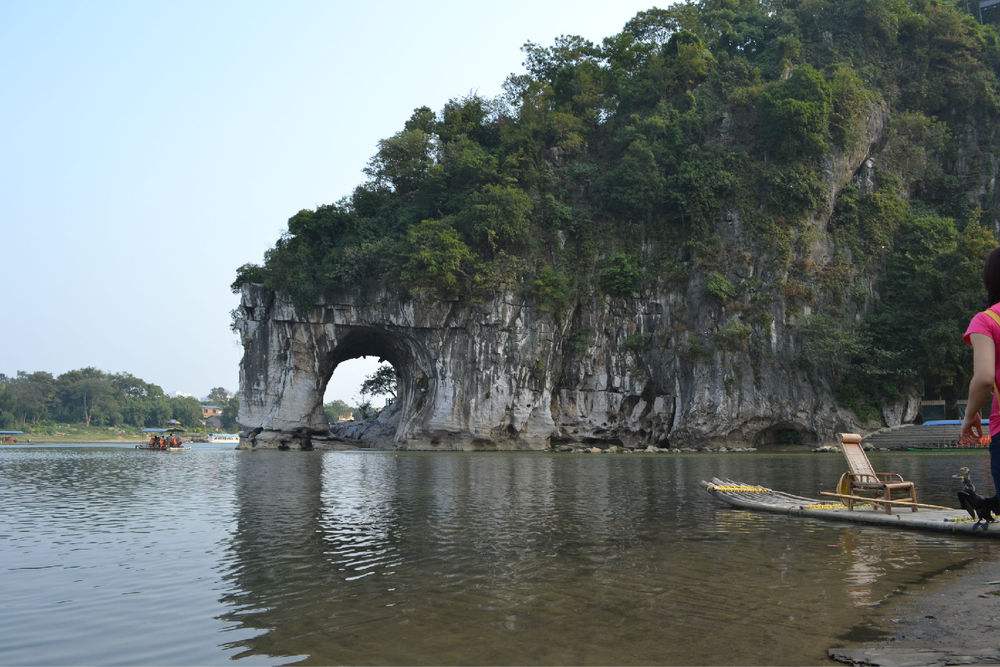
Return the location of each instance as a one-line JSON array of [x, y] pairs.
[[148, 149]]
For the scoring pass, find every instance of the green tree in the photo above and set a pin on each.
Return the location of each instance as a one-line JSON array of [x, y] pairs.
[[186, 410], [403, 161], [32, 395], [7, 404], [795, 115], [230, 413], [497, 218], [382, 382], [157, 410], [336, 409], [364, 410], [552, 289], [620, 275], [436, 258], [635, 185], [88, 395], [218, 395]]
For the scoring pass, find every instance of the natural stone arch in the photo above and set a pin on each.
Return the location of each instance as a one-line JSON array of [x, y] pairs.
[[404, 355], [290, 358], [471, 377], [504, 373]]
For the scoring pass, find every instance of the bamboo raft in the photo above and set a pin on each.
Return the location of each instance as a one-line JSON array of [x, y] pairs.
[[901, 515]]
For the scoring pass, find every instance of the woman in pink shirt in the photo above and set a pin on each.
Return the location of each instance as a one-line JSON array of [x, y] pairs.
[[983, 335]]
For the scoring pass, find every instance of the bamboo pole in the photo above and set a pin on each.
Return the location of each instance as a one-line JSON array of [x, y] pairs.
[[905, 503]]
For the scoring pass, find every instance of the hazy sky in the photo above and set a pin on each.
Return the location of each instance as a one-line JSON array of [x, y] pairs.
[[149, 148]]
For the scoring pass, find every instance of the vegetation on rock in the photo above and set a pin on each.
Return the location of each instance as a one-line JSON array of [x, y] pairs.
[[698, 147]]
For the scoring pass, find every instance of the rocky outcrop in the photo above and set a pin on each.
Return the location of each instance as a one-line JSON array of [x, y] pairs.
[[502, 375], [506, 374]]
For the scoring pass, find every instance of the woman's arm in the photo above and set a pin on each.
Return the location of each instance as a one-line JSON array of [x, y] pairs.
[[981, 384]]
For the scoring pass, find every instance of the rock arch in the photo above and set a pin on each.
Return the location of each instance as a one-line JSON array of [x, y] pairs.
[[463, 384], [505, 374]]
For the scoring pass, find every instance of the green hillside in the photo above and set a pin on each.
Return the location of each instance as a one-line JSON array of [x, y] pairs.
[[695, 152]]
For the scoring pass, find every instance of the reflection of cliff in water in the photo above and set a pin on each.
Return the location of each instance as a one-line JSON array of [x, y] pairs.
[[478, 558]]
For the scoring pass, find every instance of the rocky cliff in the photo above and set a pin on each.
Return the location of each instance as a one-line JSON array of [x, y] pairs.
[[731, 223], [506, 374]]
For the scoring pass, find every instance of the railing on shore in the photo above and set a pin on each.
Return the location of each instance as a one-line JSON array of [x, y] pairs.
[[940, 435]]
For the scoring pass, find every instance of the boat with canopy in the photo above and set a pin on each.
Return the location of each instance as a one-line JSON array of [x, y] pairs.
[[163, 439]]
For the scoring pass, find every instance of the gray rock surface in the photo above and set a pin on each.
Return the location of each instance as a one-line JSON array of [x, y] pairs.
[[503, 375]]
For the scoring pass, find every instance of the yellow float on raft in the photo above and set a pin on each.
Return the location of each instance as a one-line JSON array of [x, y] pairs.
[[740, 488]]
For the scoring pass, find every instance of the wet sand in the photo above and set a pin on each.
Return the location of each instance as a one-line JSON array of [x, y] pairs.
[[950, 619]]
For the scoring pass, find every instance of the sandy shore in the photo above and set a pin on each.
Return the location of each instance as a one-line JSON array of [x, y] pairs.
[[951, 619]]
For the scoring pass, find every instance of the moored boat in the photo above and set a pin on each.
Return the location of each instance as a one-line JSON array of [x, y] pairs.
[[7, 437], [758, 498]]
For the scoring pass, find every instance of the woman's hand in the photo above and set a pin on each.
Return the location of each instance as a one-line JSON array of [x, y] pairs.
[[972, 431], [980, 389]]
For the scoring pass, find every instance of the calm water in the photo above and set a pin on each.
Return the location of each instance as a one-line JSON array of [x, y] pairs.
[[111, 555]]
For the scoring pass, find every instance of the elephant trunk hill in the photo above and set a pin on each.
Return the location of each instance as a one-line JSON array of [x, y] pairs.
[[734, 222]]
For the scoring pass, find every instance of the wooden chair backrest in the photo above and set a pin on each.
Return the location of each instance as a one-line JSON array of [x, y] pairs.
[[857, 460]]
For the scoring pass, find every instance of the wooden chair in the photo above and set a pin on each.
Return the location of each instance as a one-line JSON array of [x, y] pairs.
[[863, 481]]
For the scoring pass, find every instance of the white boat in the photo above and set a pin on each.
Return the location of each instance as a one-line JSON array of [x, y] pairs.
[[223, 437]]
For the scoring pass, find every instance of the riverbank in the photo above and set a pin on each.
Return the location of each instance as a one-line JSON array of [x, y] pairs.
[[73, 433], [948, 619]]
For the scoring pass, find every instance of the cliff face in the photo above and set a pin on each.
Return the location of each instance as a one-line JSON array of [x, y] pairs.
[[708, 229], [504, 374]]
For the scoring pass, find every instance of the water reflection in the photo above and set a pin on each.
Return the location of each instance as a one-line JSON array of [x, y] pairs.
[[376, 557], [525, 558]]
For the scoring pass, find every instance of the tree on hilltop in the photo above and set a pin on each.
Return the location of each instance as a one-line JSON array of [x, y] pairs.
[[218, 396]]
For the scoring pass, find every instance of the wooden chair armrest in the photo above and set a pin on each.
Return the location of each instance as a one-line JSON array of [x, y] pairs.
[[889, 476]]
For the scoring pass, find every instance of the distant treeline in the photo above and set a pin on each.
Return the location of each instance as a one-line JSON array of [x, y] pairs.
[[92, 397]]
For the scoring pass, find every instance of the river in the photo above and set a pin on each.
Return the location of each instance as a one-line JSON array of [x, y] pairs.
[[109, 555]]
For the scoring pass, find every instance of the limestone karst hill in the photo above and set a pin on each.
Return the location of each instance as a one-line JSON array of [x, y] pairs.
[[734, 221]]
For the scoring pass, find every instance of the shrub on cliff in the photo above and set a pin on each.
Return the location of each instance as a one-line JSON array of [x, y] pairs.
[[795, 115], [620, 275], [436, 258], [552, 289]]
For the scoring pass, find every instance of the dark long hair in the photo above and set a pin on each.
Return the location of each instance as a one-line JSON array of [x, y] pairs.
[[991, 278]]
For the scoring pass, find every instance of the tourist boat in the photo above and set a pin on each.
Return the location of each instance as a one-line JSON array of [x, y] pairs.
[[155, 433], [223, 437], [7, 437], [900, 515]]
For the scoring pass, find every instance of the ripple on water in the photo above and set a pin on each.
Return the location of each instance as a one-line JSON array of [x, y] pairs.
[[112, 555]]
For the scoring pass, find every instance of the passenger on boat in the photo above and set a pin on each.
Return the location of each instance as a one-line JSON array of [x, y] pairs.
[[983, 335]]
